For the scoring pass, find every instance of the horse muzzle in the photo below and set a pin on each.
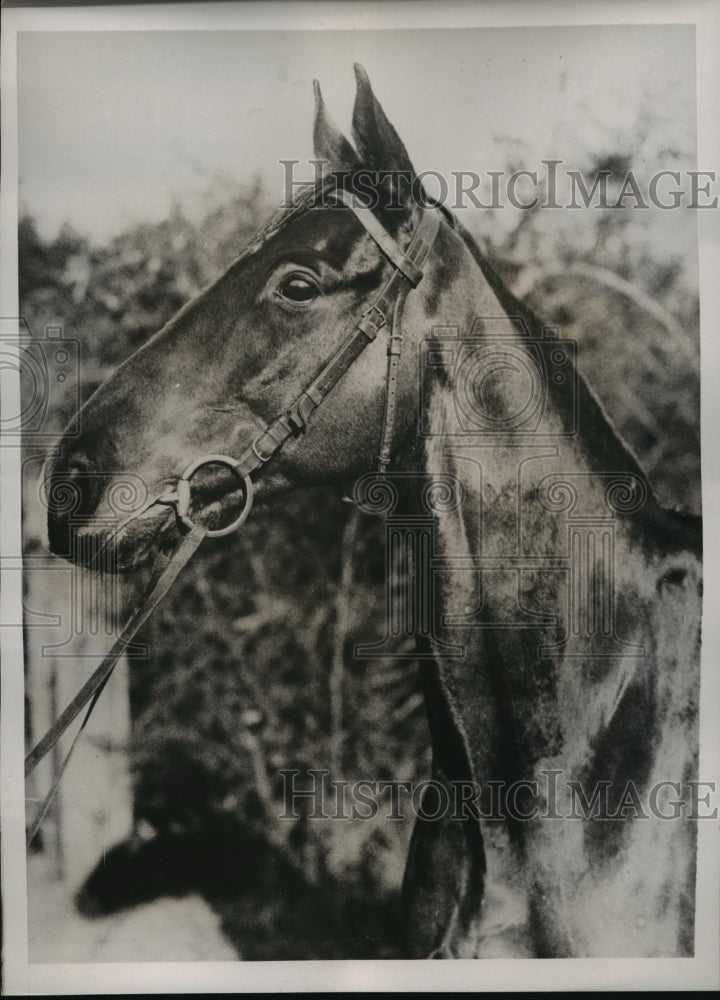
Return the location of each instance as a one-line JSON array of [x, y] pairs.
[[113, 522]]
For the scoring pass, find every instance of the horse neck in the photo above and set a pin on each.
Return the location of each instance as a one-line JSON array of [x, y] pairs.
[[572, 435], [506, 516], [503, 547]]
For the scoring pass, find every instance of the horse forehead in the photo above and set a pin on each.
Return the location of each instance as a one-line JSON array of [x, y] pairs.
[[333, 234]]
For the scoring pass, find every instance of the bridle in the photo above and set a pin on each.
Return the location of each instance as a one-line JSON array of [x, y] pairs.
[[384, 313]]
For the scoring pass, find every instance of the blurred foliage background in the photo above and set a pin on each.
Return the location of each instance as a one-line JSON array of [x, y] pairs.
[[251, 668]]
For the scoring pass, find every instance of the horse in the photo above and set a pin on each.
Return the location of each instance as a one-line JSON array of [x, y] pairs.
[[555, 605]]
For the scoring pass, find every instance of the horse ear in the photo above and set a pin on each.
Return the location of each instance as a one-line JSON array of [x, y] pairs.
[[379, 145], [329, 142]]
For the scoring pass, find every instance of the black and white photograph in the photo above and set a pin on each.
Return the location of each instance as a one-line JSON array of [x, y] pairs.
[[360, 497]]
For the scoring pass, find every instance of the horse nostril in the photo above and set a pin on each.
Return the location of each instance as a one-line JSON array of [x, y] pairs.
[[79, 465], [73, 489]]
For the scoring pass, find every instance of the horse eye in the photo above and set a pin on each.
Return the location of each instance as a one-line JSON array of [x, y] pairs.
[[299, 289]]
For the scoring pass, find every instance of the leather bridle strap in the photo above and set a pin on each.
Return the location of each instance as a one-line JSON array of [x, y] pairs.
[[383, 312], [91, 690]]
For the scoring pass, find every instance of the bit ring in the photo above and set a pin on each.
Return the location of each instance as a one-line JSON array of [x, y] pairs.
[[183, 493]]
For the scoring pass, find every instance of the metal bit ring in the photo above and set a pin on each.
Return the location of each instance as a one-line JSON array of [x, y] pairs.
[[183, 493]]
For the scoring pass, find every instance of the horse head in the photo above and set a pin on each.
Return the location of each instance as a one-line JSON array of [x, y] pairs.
[[247, 347]]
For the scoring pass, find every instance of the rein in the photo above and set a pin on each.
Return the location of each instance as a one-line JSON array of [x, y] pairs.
[[384, 312]]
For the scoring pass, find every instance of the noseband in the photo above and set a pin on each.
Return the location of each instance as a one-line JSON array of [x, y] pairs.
[[384, 313]]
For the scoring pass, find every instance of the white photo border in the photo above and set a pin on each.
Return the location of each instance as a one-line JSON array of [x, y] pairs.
[[21, 978]]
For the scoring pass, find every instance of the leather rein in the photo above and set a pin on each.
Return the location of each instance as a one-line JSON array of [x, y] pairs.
[[384, 313]]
